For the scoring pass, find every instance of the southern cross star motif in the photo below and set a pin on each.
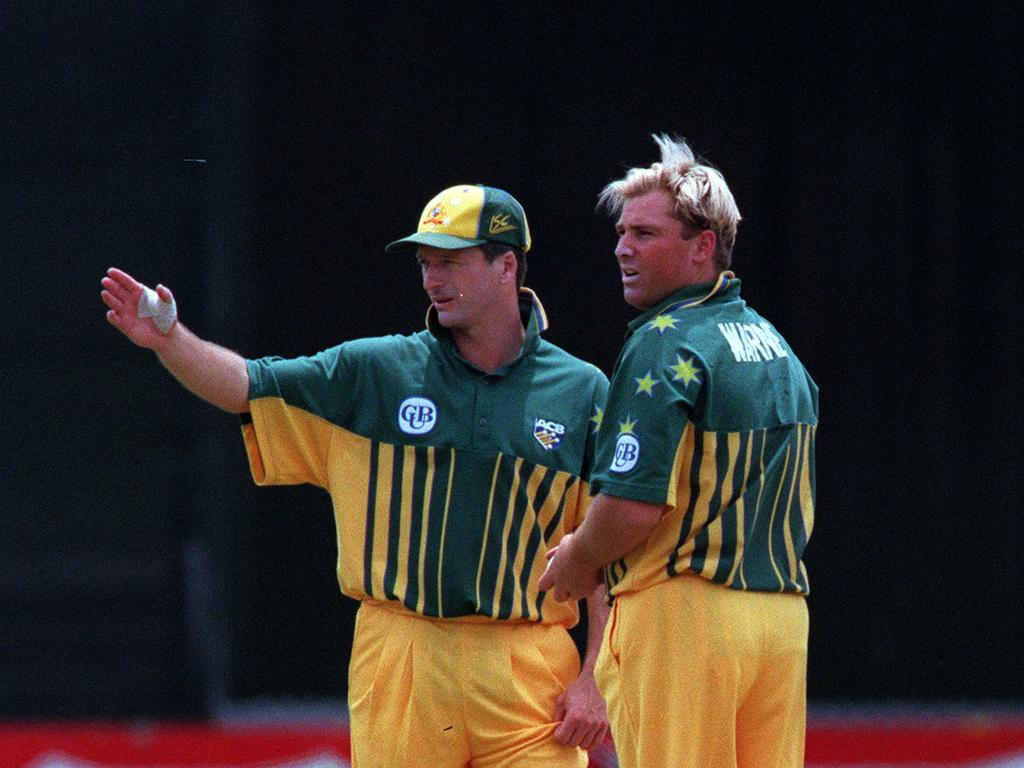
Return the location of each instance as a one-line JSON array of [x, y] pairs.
[[645, 385], [662, 322], [685, 371]]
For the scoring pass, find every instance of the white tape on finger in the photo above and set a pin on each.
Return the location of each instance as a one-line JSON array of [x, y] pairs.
[[164, 313]]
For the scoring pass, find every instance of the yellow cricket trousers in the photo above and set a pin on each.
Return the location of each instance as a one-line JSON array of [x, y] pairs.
[[450, 693], [699, 675]]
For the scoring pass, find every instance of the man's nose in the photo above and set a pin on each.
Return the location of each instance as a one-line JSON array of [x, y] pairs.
[[623, 248], [431, 278]]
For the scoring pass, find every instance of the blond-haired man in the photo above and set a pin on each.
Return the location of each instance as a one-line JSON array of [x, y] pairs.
[[705, 493]]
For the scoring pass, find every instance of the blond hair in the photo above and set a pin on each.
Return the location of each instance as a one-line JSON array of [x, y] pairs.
[[702, 198]]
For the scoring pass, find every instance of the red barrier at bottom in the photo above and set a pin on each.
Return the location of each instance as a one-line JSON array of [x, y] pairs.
[[972, 741], [936, 741], [166, 744]]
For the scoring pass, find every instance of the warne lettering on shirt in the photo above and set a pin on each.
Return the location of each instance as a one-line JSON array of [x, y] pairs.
[[752, 343]]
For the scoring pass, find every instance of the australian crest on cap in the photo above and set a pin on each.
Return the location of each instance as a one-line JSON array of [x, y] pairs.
[[436, 216]]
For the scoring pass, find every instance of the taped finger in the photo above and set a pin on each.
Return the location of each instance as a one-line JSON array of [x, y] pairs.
[[164, 313]]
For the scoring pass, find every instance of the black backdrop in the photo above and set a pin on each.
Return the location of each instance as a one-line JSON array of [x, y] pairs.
[[256, 158]]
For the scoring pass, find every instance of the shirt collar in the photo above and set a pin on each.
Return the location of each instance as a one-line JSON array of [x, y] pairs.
[[686, 297], [534, 317]]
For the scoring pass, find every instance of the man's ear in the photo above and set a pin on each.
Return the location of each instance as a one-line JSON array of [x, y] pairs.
[[509, 265], [706, 242]]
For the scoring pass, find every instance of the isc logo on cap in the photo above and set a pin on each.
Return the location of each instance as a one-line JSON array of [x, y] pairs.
[[417, 415]]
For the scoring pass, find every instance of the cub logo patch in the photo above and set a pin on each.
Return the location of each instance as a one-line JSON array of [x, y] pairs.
[[548, 433], [627, 452], [417, 415]]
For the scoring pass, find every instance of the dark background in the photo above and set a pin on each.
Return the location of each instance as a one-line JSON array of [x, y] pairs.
[[875, 153]]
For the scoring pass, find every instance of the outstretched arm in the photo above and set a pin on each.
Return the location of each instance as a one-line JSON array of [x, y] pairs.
[[581, 708], [212, 372]]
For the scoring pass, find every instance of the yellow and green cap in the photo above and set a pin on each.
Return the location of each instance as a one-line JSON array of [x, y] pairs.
[[468, 215]]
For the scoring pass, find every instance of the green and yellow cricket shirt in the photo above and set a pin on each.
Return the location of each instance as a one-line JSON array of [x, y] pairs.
[[448, 484], [711, 414]]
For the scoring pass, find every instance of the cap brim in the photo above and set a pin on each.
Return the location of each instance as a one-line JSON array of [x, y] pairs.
[[433, 239]]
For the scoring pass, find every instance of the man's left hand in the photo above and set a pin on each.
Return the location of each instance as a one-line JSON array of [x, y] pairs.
[[581, 709]]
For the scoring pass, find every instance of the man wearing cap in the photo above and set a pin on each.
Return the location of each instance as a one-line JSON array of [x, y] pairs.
[[455, 458]]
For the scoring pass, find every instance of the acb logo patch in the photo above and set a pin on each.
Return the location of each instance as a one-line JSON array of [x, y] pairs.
[[548, 433]]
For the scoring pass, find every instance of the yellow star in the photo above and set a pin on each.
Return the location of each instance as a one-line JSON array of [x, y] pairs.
[[685, 371], [598, 417], [646, 384], [626, 427], [661, 322]]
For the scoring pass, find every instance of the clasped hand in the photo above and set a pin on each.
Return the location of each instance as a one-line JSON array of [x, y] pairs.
[[568, 575]]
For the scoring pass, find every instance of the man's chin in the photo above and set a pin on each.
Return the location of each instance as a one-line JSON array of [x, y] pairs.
[[449, 320], [635, 299]]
